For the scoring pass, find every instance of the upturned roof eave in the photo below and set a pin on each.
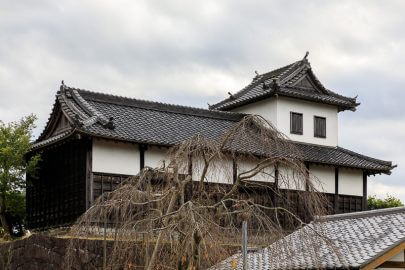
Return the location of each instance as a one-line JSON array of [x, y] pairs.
[[230, 106]]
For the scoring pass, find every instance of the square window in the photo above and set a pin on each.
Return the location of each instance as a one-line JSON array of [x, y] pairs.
[[319, 127], [296, 123]]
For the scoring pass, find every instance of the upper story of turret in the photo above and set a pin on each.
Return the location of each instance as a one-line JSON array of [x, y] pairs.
[[293, 100]]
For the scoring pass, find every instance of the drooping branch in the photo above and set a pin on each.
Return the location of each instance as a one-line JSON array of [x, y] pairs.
[[151, 211]]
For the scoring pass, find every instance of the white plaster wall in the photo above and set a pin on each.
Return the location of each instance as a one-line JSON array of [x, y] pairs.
[[351, 182], [265, 175], [218, 172], [277, 111], [323, 178], [266, 108], [309, 110], [288, 178], [156, 157], [115, 157]]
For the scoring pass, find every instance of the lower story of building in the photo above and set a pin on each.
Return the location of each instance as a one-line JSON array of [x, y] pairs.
[[73, 174]]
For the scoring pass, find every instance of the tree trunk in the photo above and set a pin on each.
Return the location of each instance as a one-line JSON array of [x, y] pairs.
[[3, 209], [159, 239]]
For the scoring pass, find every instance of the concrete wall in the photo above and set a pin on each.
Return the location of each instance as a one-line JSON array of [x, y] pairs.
[[277, 111], [115, 157]]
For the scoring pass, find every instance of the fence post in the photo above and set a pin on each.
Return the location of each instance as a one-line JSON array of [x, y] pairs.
[[105, 243], [244, 244]]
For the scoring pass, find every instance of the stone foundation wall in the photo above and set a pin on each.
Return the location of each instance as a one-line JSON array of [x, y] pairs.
[[40, 252]]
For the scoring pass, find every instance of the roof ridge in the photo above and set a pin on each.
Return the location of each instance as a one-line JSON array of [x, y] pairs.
[[256, 80], [362, 214], [156, 105], [283, 75]]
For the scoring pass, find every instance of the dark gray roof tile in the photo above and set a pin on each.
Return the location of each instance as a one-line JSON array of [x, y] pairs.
[[357, 239], [165, 124], [283, 82]]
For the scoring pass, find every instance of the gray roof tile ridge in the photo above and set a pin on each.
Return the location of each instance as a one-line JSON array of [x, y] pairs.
[[314, 144], [256, 80], [93, 112], [159, 106], [304, 64], [48, 121], [62, 102], [363, 214]]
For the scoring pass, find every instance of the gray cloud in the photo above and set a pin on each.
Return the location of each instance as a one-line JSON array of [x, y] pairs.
[[194, 52]]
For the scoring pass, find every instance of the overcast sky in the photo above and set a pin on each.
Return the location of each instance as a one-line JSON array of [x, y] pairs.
[[194, 52]]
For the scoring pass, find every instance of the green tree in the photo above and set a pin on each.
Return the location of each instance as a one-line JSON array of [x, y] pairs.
[[14, 145], [378, 203]]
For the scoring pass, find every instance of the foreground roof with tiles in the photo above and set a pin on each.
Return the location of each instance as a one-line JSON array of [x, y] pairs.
[[296, 80], [132, 120], [343, 241]]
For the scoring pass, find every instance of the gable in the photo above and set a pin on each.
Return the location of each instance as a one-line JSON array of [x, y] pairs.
[[306, 82], [62, 124], [57, 124]]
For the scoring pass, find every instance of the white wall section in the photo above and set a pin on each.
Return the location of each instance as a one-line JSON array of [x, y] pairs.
[[288, 178], [277, 110], [309, 109], [323, 178], [266, 108], [156, 157], [265, 175], [220, 171], [351, 182], [115, 157]]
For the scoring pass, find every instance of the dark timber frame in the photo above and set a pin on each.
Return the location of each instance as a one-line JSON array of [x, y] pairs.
[[336, 201], [59, 194]]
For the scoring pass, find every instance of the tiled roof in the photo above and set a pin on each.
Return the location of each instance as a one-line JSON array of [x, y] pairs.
[[155, 123], [344, 241], [285, 81]]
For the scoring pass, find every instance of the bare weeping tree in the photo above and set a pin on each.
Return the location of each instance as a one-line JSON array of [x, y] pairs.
[[188, 214]]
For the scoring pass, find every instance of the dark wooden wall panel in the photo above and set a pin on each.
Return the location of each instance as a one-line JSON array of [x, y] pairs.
[[58, 195]]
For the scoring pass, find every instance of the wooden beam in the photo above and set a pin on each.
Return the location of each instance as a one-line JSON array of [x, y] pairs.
[[142, 149], [276, 185], [393, 265], [307, 177], [364, 203], [384, 257], [336, 206], [234, 170], [89, 175]]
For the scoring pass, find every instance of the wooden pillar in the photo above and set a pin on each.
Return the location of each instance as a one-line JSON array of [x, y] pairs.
[[234, 170], [336, 206], [142, 149], [364, 204], [189, 186], [89, 175], [307, 177], [276, 184]]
